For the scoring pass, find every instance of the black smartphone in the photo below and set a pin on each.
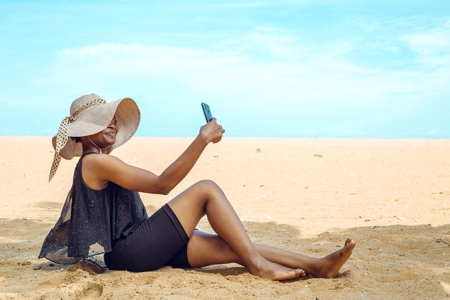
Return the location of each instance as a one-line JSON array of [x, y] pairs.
[[207, 112]]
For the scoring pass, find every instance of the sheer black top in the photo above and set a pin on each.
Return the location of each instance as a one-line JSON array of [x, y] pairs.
[[91, 220]]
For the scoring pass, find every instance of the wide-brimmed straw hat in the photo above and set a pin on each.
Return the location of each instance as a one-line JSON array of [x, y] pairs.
[[89, 115]]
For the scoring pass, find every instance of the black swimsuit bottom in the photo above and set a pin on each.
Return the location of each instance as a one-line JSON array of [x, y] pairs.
[[158, 241]]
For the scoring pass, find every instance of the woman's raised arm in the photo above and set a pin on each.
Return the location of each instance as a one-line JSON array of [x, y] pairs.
[[98, 170]]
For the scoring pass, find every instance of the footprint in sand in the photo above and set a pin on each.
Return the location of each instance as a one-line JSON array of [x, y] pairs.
[[93, 291], [55, 295], [90, 292]]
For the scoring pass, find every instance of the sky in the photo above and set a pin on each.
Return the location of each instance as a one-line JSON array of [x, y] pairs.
[[311, 68]]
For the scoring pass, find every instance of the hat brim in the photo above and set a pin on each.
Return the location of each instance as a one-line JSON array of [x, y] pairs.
[[98, 118]]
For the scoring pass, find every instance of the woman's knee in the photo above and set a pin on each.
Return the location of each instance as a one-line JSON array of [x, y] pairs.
[[209, 186]]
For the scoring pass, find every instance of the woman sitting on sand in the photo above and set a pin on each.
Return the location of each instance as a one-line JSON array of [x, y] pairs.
[[103, 212]]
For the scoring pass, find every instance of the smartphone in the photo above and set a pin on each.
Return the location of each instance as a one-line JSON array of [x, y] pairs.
[[207, 112]]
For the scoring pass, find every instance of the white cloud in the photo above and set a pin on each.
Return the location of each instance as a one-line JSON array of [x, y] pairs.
[[324, 76], [278, 45], [432, 46], [290, 72], [428, 38]]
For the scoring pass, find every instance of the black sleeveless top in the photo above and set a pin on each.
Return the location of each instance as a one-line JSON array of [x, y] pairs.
[[91, 220]]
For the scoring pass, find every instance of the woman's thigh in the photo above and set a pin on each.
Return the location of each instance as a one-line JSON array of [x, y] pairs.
[[190, 205]]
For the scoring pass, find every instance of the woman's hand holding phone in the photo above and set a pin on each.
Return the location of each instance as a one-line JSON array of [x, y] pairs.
[[211, 130]]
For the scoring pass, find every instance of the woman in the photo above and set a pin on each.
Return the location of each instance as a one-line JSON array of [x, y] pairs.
[[103, 212]]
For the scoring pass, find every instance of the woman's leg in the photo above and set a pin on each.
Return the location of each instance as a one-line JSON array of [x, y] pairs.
[[205, 197], [207, 249]]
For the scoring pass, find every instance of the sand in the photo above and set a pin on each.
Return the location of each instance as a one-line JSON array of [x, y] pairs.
[[305, 195]]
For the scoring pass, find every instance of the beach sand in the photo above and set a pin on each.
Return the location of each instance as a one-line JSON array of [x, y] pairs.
[[305, 195]]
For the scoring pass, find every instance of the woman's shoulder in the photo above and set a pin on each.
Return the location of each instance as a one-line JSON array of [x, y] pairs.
[[96, 169], [97, 158]]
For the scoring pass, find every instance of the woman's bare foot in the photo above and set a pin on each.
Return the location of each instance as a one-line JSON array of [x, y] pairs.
[[329, 266], [273, 271]]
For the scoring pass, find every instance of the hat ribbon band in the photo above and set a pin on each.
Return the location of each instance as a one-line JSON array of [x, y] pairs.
[[62, 137]]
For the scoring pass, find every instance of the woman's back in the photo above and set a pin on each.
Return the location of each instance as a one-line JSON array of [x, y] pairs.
[[92, 219]]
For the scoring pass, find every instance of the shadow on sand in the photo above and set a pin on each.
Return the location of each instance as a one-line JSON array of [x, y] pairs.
[[401, 257]]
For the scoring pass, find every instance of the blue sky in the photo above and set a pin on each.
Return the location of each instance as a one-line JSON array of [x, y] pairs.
[[317, 68]]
